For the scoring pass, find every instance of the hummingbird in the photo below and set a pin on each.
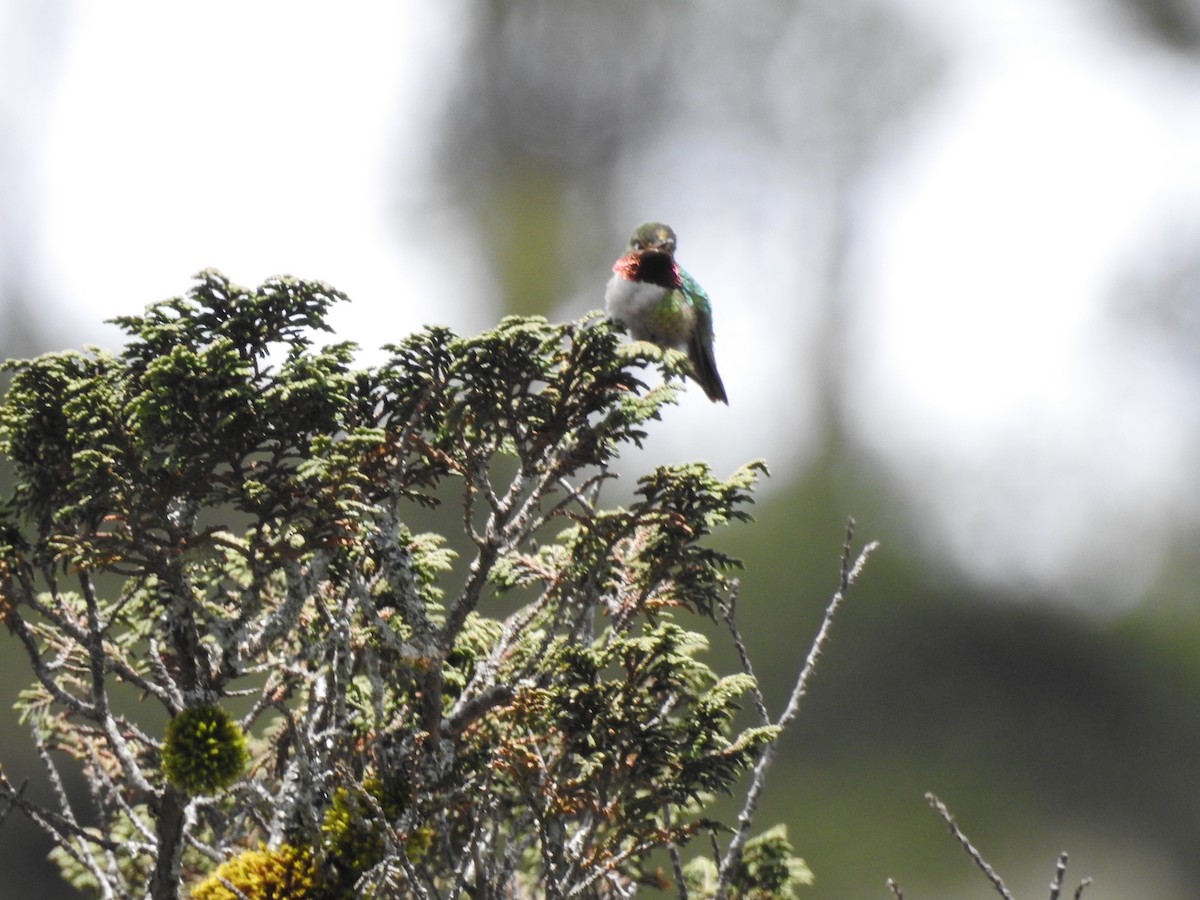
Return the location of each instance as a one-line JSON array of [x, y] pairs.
[[655, 300]]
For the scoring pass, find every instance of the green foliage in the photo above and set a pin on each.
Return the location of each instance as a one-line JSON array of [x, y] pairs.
[[768, 871], [225, 510], [204, 750]]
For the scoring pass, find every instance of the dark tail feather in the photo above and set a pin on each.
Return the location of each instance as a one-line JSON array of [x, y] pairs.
[[704, 368]]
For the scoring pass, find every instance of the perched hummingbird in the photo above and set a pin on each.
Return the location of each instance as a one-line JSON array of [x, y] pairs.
[[655, 300]]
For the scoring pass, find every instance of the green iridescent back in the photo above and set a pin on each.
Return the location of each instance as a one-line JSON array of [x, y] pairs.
[[699, 300]]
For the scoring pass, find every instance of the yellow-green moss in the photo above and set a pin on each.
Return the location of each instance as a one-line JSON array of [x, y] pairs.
[[284, 873]]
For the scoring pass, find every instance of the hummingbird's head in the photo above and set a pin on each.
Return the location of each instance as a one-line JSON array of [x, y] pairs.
[[653, 236]]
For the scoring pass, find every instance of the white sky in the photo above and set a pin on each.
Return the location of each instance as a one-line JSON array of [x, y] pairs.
[[986, 373], [263, 138], [1046, 447]]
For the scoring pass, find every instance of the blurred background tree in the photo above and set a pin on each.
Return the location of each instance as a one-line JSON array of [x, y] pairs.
[[951, 250]]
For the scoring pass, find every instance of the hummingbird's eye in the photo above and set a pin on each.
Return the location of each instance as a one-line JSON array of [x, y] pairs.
[[636, 244]]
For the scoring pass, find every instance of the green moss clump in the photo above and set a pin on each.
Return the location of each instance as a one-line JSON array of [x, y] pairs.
[[204, 751]]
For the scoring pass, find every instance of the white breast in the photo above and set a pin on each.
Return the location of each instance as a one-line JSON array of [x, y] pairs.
[[629, 302]]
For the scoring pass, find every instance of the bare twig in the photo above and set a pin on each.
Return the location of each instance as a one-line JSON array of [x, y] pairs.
[[677, 868], [96, 664], [580, 494], [56, 825], [729, 614], [716, 846], [9, 793], [18, 626], [895, 889], [975, 855], [1083, 884], [1060, 872], [851, 568]]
